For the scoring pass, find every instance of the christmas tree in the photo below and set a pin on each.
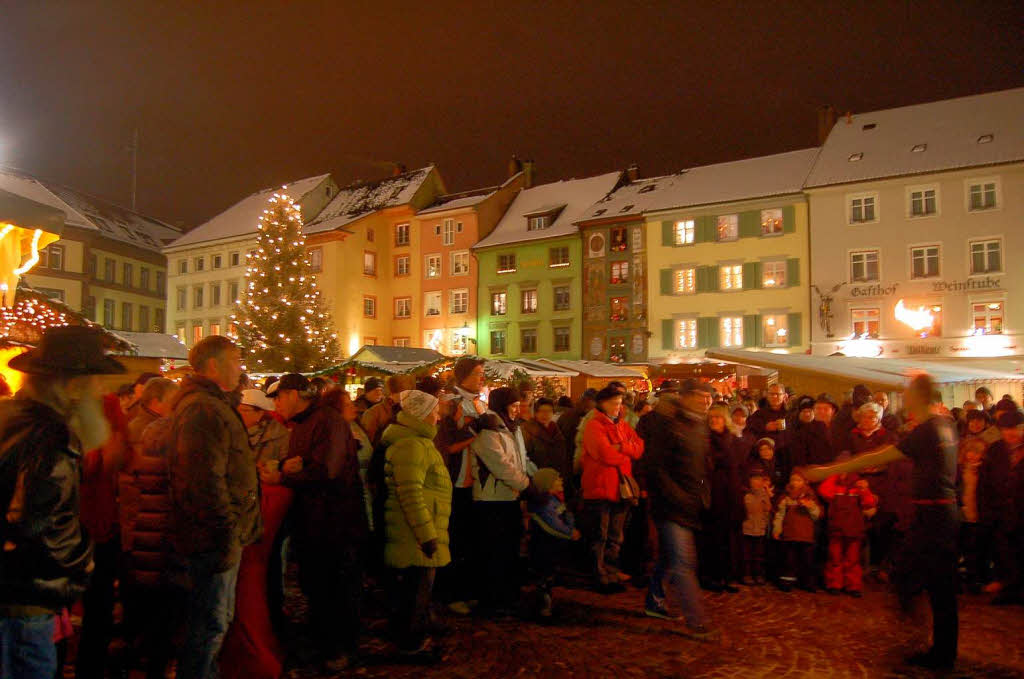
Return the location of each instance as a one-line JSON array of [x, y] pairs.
[[280, 319]]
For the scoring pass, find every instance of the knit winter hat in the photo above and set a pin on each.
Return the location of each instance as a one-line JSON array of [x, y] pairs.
[[418, 404], [765, 442], [545, 478]]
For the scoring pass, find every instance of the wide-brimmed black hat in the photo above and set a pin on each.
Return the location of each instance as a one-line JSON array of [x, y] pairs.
[[68, 350]]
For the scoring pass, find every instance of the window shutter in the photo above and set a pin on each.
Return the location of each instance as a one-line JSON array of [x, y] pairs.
[[666, 282], [668, 236], [788, 219], [752, 330], [713, 332], [668, 332], [705, 327], [712, 278], [701, 281], [793, 329], [750, 224], [705, 227], [792, 272], [751, 275]]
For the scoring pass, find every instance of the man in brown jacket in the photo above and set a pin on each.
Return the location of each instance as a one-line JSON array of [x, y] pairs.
[[377, 418], [215, 508]]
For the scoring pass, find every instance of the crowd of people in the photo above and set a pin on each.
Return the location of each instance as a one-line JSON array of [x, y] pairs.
[[188, 502]]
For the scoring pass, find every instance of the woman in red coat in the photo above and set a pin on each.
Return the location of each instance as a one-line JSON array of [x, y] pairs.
[[609, 447]]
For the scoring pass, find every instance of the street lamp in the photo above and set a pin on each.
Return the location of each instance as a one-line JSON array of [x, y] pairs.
[[465, 332]]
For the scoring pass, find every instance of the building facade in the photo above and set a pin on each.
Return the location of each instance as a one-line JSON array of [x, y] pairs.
[[916, 216], [727, 256]]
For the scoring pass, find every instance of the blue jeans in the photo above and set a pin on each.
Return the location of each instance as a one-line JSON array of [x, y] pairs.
[[211, 607], [27, 650], [677, 560]]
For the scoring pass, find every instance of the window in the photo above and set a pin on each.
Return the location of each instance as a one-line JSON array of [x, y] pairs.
[[730, 331], [144, 277], [437, 229], [617, 350], [865, 323], [926, 310], [731, 277], [684, 281], [93, 270], [498, 304], [980, 196], [109, 270], [987, 318], [497, 341], [923, 202], [506, 263], [108, 313], [562, 341], [619, 243], [924, 261], [620, 272], [432, 267], [686, 334], [620, 309], [558, 257], [685, 232], [864, 266], [986, 256], [460, 263], [126, 316], [458, 343], [197, 297], [232, 292], [529, 302], [562, 298], [771, 222], [528, 341], [214, 328], [144, 319], [159, 322], [369, 263], [52, 293], [218, 262], [215, 294], [773, 274], [776, 330], [182, 266], [90, 308], [403, 307], [401, 341], [369, 306], [161, 282], [402, 265], [127, 275], [234, 258], [197, 333], [862, 209], [401, 234], [370, 236], [181, 299], [316, 259], [180, 332], [448, 234], [432, 303], [458, 227], [53, 257], [459, 301], [200, 263], [538, 223], [728, 227]]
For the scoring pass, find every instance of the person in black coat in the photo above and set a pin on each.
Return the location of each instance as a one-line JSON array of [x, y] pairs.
[[1001, 501], [724, 519]]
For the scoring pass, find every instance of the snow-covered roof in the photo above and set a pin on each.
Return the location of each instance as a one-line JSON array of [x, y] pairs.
[[765, 176], [241, 218], [154, 345], [569, 198], [457, 201], [984, 129], [31, 188], [506, 369], [595, 368], [628, 200], [376, 352], [356, 201]]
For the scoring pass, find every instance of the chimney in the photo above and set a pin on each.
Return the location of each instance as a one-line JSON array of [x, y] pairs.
[[826, 121], [633, 172], [399, 168], [515, 166], [528, 171]]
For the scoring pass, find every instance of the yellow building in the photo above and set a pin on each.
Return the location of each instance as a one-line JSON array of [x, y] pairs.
[[727, 258], [108, 262]]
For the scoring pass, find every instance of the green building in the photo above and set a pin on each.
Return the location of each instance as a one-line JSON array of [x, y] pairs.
[[530, 272]]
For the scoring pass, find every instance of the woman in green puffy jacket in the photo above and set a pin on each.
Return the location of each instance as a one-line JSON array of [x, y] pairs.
[[418, 504]]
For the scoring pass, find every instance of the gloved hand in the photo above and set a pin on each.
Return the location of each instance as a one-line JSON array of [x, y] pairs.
[[429, 548]]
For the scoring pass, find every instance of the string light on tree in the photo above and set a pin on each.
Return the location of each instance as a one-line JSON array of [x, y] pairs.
[[282, 324]]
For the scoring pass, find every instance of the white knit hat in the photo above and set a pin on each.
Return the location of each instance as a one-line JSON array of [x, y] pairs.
[[418, 404], [257, 399]]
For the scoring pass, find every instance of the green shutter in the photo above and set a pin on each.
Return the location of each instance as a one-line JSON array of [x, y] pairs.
[[668, 236], [788, 219], [666, 282], [793, 329], [701, 279], [704, 332], [714, 339], [751, 275], [752, 330], [750, 224], [792, 272], [668, 331], [705, 229], [712, 278]]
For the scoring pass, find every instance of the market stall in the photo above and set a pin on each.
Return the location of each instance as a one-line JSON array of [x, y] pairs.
[[380, 361], [597, 374]]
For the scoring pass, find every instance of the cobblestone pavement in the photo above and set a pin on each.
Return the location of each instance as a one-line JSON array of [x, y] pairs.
[[764, 633]]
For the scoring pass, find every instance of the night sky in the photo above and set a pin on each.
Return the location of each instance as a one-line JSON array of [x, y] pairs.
[[236, 96]]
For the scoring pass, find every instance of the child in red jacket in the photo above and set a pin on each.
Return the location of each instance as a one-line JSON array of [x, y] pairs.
[[794, 526], [850, 503]]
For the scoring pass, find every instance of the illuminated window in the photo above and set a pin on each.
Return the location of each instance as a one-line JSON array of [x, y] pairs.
[[864, 266], [617, 350], [528, 341], [771, 222], [401, 234], [214, 328], [460, 263], [776, 330], [52, 257], [982, 195], [924, 261], [432, 303], [497, 341], [558, 257], [620, 272], [369, 306], [562, 298], [862, 209], [730, 331], [316, 259], [987, 318], [731, 277], [403, 307], [684, 281], [562, 341], [180, 332], [529, 301], [459, 301], [685, 232], [457, 343], [401, 341], [619, 243], [986, 256], [925, 319], [499, 304], [865, 323], [620, 309], [506, 263], [773, 274], [728, 227], [402, 265], [369, 263], [432, 266], [923, 202], [686, 333], [448, 234], [197, 333]]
